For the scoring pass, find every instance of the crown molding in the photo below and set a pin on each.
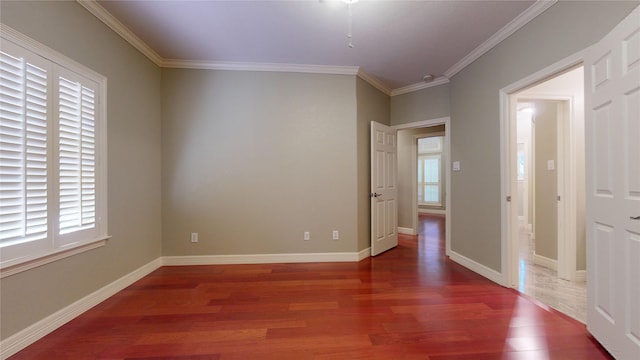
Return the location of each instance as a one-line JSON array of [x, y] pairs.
[[514, 25], [275, 67], [103, 15], [373, 81], [419, 86]]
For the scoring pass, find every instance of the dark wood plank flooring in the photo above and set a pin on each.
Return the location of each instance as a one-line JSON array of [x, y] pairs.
[[409, 303]]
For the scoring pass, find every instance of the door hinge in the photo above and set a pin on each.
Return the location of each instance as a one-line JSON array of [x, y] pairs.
[[558, 197], [508, 198]]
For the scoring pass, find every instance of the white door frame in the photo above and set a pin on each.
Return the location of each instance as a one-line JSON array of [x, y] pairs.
[[446, 121], [566, 180], [508, 176]]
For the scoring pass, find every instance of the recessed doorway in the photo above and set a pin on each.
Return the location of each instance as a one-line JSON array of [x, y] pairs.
[[547, 237]]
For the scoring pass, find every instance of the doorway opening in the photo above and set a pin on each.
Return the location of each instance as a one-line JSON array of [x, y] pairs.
[[430, 180], [547, 187], [408, 192]]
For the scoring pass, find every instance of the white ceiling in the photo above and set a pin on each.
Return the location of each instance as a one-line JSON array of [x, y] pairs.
[[396, 42]]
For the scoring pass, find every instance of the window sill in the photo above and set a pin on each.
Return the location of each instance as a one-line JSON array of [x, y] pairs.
[[21, 265]]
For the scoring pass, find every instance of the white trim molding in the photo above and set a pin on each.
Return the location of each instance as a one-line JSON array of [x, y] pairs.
[[103, 15], [364, 253], [514, 25], [474, 266], [273, 67], [406, 231], [446, 121], [425, 123], [508, 233], [545, 262], [119, 28], [264, 258], [38, 330], [419, 86], [33, 333], [373, 81], [580, 276], [8, 270], [524, 18], [431, 211]]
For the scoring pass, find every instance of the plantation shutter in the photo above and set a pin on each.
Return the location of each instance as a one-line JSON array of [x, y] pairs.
[[77, 155], [53, 180], [23, 149]]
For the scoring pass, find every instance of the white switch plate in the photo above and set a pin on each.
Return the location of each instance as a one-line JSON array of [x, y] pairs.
[[307, 235], [336, 235], [456, 166], [551, 165], [194, 237]]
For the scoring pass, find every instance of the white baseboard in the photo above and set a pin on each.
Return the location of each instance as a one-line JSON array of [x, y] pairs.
[[581, 276], [31, 334], [265, 258], [474, 266], [407, 231], [363, 254], [545, 262], [432, 211]]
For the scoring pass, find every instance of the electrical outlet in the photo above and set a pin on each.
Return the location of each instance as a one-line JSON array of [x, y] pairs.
[[336, 235], [194, 237], [307, 235]]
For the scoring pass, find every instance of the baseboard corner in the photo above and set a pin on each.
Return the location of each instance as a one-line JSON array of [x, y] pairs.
[[476, 267]]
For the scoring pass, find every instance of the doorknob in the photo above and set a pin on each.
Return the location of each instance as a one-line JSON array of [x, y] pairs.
[[635, 217], [375, 195]]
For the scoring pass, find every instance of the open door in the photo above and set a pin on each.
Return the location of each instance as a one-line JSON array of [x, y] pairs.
[[384, 188], [612, 104]]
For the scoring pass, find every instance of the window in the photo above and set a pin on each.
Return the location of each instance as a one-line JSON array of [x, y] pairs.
[[52, 153], [430, 171]]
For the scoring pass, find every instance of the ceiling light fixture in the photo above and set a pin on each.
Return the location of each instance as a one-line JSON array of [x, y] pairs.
[[349, 33], [427, 78]]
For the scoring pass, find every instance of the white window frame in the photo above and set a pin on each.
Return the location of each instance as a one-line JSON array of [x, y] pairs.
[[21, 256], [431, 155], [438, 183]]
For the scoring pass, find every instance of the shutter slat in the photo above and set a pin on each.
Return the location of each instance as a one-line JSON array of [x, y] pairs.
[[23, 153]]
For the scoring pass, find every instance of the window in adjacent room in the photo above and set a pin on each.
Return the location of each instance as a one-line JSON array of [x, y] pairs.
[[430, 168], [52, 153]]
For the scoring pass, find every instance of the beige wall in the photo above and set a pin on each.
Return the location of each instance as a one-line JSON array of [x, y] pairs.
[[133, 112], [372, 106], [564, 29], [546, 181], [252, 160], [425, 104], [406, 146]]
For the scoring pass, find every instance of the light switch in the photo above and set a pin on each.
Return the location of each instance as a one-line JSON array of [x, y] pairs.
[[456, 166], [551, 165]]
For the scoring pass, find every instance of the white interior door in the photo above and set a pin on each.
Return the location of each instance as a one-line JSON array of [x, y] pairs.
[[384, 188], [612, 103]]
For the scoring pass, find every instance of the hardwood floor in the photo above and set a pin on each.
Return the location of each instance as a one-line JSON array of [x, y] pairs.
[[409, 303]]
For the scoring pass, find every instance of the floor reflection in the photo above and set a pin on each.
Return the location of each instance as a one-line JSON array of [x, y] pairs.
[[544, 285]]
